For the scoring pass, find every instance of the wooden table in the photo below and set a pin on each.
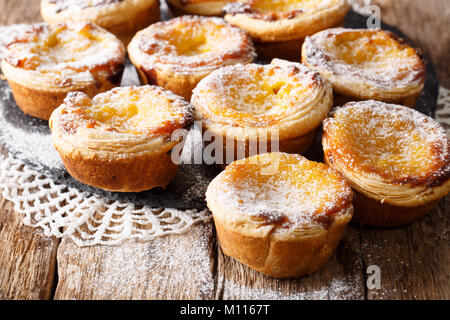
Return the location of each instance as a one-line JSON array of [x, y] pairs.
[[413, 260]]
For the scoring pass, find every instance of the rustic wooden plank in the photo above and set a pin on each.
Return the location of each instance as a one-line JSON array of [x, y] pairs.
[[172, 267], [413, 260], [27, 258], [13, 11], [341, 278]]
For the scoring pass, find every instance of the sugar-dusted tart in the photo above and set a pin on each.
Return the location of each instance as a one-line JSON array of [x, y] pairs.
[[395, 158], [121, 17], [279, 27], [48, 61], [255, 108], [279, 213], [120, 140], [178, 53], [366, 64], [199, 7]]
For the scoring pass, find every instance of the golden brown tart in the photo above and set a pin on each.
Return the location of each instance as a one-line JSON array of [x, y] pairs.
[[279, 27], [396, 159], [178, 53], [366, 64], [279, 105], [120, 140], [200, 7], [279, 213], [121, 17], [48, 61]]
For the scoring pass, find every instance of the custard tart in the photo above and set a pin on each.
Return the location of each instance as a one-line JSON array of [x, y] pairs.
[[198, 7], [280, 105], [279, 213], [121, 17], [366, 64], [395, 158], [178, 53], [48, 61], [279, 27], [120, 140]]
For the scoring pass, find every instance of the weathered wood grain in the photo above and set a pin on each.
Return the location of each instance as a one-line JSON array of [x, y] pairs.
[[341, 278], [19, 11], [414, 261], [27, 258], [173, 267]]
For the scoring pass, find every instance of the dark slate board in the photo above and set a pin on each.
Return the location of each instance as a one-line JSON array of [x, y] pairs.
[[29, 140]]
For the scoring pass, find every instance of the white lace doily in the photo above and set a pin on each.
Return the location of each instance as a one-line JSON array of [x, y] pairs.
[[87, 218]]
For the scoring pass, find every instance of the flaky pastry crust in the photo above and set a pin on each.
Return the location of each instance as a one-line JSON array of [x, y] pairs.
[[279, 213], [366, 64], [121, 17], [278, 28], [120, 140], [397, 160], [283, 100], [178, 53], [200, 7], [49, 61]]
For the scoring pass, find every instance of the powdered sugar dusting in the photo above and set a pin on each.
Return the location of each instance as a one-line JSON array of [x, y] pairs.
[[193, 42], [145, 270], [298, 192], [394, 141], [35, 142], [275, 10], [67, 51], [256, 95], [61, 5], [9, 34], [376, 56], [153, 111]]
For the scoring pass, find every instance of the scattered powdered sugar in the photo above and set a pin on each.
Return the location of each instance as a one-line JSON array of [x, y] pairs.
[[61, 5], [361, 6], [255, 95], [193, 42], [29, 140], [145, 270], [395, 141], [234, 290], [330, 51], [274, 10], [30, 136], [9, 34], [299, 190], [71, 51]]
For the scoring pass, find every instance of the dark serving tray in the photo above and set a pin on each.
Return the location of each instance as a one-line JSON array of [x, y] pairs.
[[28, 139]]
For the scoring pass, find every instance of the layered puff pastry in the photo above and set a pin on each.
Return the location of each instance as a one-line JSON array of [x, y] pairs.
[[48, 61], [178, 53], [279, 213], [396, 159], [366, 64], [279, 105], [121, 17], [279, 27], [198, 7], [121, 139]]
